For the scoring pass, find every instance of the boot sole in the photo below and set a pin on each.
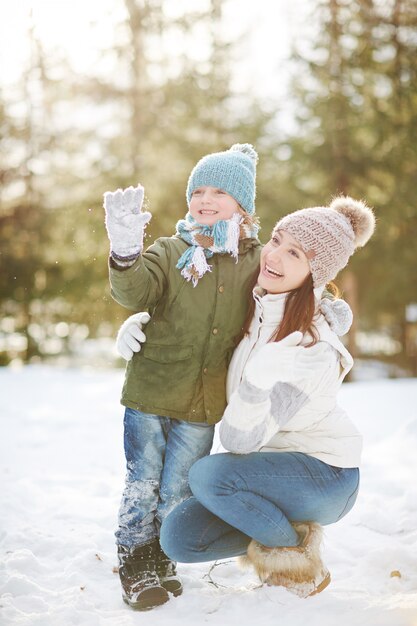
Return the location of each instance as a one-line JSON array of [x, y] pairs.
[[149, 599]]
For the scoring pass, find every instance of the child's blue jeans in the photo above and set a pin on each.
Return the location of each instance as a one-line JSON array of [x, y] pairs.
[[257, 495], [159, 453]]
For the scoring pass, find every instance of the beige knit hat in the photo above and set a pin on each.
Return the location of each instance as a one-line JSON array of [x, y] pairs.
[[330, 235]]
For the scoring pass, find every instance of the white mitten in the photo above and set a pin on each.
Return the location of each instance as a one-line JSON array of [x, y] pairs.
[[285, 361], [261, 370], [125, 221], [130, 335], [338, 315]]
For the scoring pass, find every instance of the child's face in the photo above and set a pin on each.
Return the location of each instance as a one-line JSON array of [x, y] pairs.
[[283, 265], [208, 205]]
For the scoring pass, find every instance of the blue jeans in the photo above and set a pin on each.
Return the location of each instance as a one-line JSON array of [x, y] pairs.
[[257, 495], [159, 453]]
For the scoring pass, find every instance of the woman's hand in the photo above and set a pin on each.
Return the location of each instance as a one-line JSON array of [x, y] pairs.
[[337, 314], [130, 335], [284, 361]]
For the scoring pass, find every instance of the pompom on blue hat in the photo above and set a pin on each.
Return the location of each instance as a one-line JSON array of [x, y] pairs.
[[233, 171]]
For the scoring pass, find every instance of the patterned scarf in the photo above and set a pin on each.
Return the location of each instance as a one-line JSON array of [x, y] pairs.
[[222, 237]]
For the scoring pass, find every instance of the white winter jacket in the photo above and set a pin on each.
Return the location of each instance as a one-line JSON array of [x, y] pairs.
[[283, 397]]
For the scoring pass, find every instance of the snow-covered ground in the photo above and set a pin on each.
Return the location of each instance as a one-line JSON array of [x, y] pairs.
[[62, 471]]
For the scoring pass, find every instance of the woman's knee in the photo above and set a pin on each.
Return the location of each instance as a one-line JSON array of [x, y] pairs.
[[207, 475], [182, 531], [196, 474], [172, 537]]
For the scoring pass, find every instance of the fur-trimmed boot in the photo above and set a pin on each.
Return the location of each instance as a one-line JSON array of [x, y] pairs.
[[297, 568], [142, 589]]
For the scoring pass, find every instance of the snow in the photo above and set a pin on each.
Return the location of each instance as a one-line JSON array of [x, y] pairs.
[[62, 475]]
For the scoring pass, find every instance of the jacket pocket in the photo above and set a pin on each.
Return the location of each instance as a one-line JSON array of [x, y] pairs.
[[166, 354], [162, 378]]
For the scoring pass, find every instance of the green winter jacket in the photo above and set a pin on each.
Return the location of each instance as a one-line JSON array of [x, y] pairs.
[[181, 370]]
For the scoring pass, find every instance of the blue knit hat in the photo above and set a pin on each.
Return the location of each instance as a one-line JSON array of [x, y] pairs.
[[232, 171]]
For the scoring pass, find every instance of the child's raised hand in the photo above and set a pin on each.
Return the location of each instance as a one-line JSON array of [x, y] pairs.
[[130, 335], [125, 222]]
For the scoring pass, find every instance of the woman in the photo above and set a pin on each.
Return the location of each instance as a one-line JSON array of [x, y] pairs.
[[293, 457], [294, 454]]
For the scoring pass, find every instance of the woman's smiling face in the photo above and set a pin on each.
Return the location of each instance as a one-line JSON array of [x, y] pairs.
[[283, 265]]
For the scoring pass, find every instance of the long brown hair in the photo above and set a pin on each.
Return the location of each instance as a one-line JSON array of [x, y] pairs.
[[299, 311]]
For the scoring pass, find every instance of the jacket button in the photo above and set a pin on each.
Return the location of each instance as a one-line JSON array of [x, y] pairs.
[[215, 331], [205, 370], [221, 289]]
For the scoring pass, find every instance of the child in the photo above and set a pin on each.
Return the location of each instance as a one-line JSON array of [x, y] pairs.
[[196, 286], [295, 453]]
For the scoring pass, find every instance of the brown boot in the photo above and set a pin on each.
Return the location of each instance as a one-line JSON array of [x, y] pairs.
[[141, 586], [167, 572], [297, 568]]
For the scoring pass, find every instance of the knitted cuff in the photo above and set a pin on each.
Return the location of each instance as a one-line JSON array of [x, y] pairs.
[[123, 263]]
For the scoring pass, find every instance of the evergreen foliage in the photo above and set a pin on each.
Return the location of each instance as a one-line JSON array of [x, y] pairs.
[[66, 138], [356, 103]]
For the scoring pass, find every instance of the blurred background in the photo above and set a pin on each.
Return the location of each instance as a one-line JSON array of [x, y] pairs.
[[100, 94]]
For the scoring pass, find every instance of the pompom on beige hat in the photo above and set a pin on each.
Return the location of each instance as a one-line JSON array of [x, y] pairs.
[[330, 235]]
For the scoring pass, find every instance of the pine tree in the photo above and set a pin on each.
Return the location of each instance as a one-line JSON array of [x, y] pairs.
[[24, 221], [357, 106]]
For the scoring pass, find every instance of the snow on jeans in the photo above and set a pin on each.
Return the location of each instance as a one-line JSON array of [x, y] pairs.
[[159, 453], [239, 497]]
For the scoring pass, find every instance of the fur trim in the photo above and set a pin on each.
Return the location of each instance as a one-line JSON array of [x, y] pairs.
[[297, 568], [360, 216]]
